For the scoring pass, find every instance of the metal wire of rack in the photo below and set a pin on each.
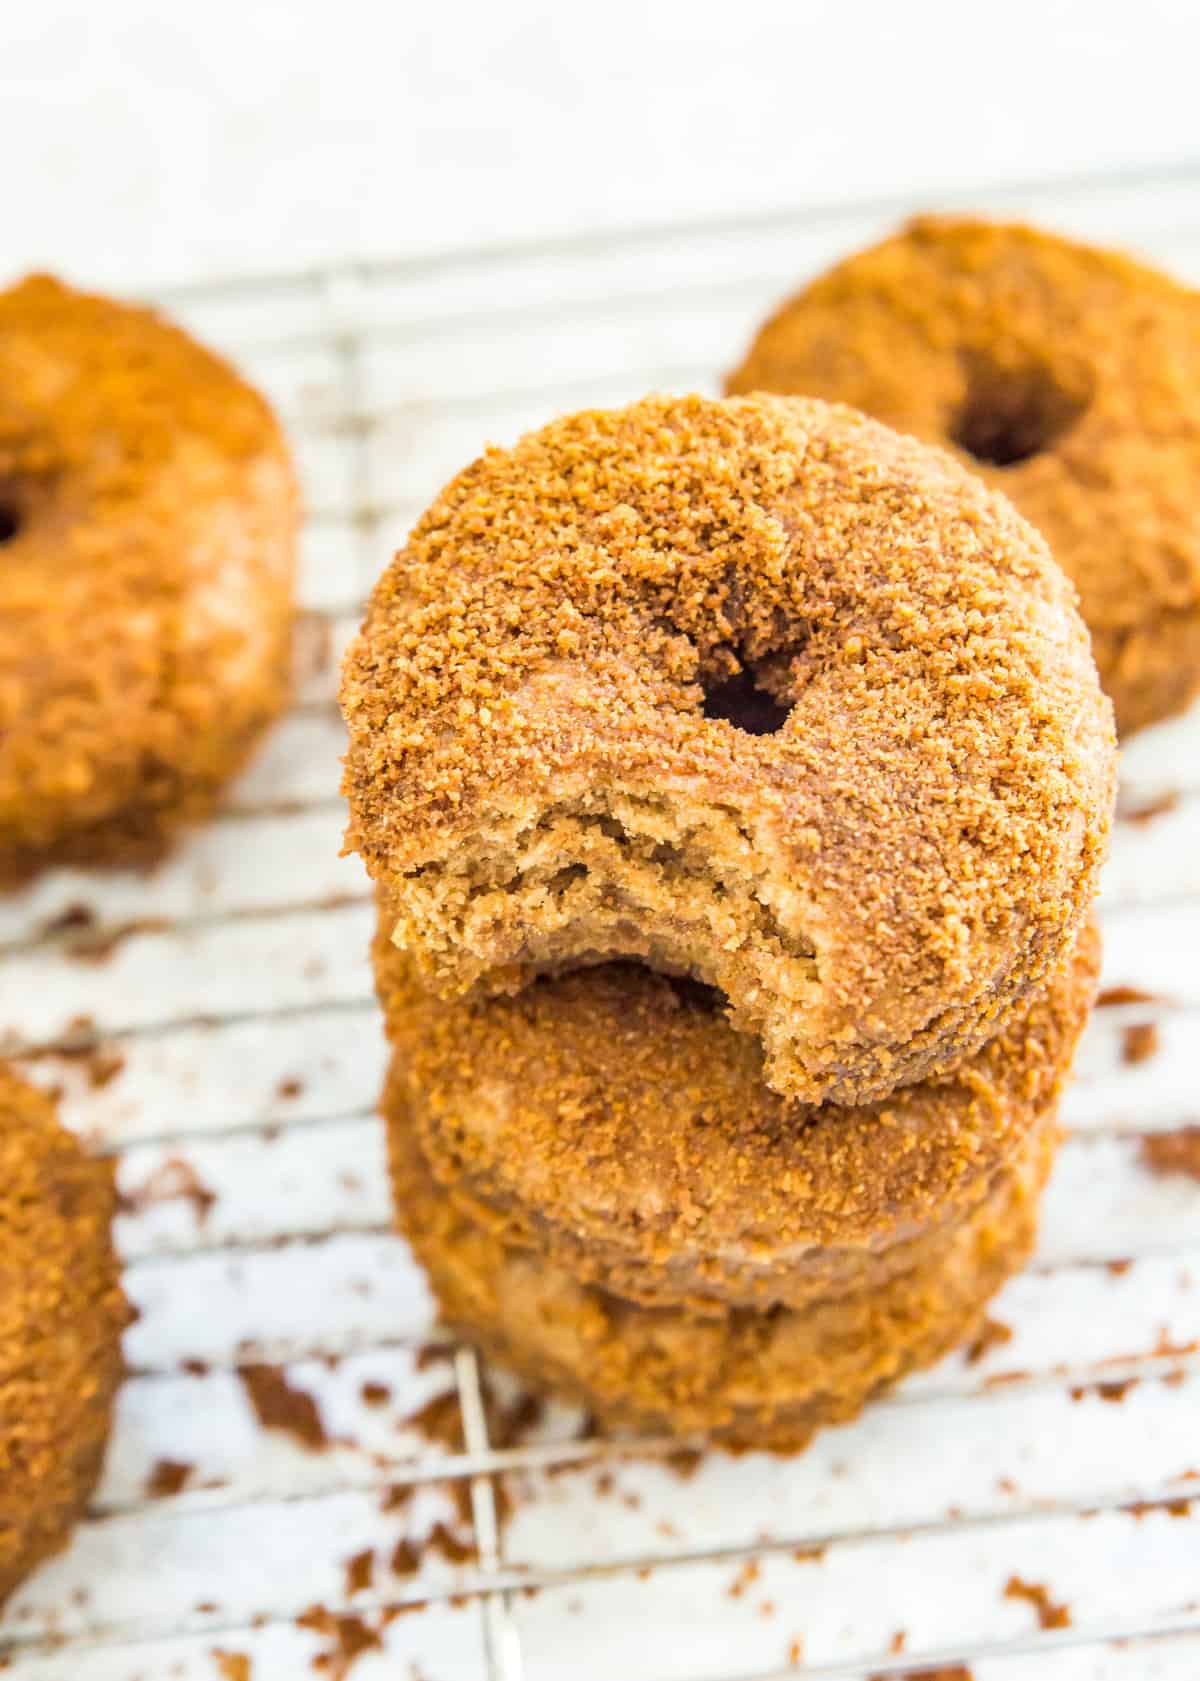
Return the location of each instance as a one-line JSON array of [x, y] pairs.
[[1024, 1512]]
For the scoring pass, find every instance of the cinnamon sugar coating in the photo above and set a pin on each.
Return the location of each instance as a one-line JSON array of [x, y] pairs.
[[748, 1379], [148, 520], [618, 1127], [1068, 377], [61, 1318], [540, 776]]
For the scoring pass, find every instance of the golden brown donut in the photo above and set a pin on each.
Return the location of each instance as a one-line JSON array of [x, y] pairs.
[[555, 754], [1069, 377], [618, 1126], [749, 1379], [61, 1318], [147, 536]]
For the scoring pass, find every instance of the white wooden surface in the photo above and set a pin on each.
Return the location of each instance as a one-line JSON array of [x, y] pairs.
[[236, 994], [155, 143]]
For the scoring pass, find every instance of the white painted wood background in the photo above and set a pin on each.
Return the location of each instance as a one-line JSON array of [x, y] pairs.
[[159, 149]]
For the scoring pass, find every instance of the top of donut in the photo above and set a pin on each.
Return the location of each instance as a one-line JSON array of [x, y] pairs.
[[560, 613], [146, 501], [80, 368], [1067, 374]]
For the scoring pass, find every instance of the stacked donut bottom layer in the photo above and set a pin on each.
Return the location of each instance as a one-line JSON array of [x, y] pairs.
[[732, 1270]]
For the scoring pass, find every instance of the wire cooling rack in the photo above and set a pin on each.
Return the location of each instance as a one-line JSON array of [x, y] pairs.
[[300, 1457]]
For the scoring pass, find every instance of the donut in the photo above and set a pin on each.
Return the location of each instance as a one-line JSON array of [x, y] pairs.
[[1068, 377], [61, 1318], [611, 1120], [765, 1380], [754, 691], [148, 518]]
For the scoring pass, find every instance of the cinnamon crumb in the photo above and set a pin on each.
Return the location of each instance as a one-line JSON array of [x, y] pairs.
[[745, 1578], [279, 1406], [1145, 813], [360, 1572], [234, 1666], [1168, 1154], [174, 1180], [1111, 996], [350, 1637], [1049, 1614], [168, 1477], [993, 1333], [1139, 1042]]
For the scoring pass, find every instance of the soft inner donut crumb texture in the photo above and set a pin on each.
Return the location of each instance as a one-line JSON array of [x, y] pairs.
[[534, 780]]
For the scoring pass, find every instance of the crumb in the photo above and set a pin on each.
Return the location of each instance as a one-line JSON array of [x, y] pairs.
[[102, 1067], [233, 1666], [1145, 813], [168, 1477], [1169, 1154], [289, 1087], [375, 1394], [944, 1672], [174, 1180], [1139, 1042], [350, 1637], [405, 1559], [1119, 1267], [1049, 1615], [746, 1576], [443, 1541], [278, 1406], [98, 945], [439, 1421], [991, 1334], [796, 1652], [360, 1572], [1178, 1507], [1115, 995]]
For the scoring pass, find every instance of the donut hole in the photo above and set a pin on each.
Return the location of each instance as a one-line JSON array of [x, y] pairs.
[[10, 520], [1011, 413], [697, 995], [742, 702]]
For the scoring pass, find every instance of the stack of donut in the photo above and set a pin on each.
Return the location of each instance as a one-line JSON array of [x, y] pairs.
[[734, 776]]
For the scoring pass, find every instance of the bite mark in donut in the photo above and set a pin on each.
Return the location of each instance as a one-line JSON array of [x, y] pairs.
[[541, 774]]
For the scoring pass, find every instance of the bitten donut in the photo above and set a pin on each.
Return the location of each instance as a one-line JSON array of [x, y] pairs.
[[61, 1318], [612, 1121], [1068, 377], [147, 533], [756, 1380], [755, 691]]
